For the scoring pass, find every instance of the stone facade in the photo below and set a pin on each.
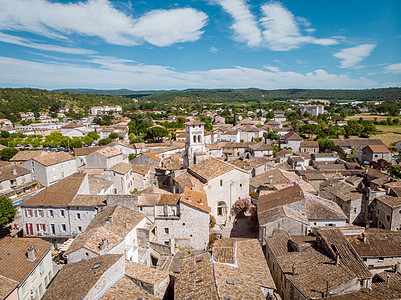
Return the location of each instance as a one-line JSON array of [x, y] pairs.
[[47, 175]]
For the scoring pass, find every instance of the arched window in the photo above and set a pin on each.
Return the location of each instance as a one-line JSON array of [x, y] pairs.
[[199, 138], [194, 138]]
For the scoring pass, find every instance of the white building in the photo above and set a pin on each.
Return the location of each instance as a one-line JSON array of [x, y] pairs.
[[223, 184], [50, 167], [62, 210], [104, 158], [101, 110], [314, 110]]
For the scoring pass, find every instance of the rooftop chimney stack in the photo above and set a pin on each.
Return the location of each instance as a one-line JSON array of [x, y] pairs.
[[294, 270], [364, 238], [398, 268], [14, 172], [103, 244], [337, 259], [31, 253]]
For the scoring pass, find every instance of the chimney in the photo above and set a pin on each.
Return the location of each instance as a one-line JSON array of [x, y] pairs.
[[388, 280], [364, 238], [103, 244], [294, 270], [31, 253], [398, 268], [110, 219], [388, 191], [337, 259], [14, 172]]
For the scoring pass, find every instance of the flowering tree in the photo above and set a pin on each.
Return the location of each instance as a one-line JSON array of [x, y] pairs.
[[212, 221], [241, 206]]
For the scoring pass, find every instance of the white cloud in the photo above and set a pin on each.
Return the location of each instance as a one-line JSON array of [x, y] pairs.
[[16, 40], [213, 49], [245, 26], [282, 31], [112, 73], [166, 27], [394, 68], [351, 56], [99, 18]]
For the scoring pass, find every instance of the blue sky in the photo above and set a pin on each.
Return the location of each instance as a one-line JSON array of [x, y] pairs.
[[143, 45]]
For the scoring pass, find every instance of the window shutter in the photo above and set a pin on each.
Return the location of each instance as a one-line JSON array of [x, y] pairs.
[[37, 227], [44, 227]]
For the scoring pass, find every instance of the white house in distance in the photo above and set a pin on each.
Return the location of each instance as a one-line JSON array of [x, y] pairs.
[[314, 110], [50, 167], [73, 130], [101, 110], [26, 268], [104, 158], [291, 140]]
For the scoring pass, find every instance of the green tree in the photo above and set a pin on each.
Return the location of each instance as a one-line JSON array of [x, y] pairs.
[[76, 143], [7, 211], [93, 135], [325, 144], [87, 140], [104, 142], [156, 133], [113, 135], [5, 134], [7, 153]]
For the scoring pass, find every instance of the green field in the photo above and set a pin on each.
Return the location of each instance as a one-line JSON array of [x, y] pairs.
[[387, 128]]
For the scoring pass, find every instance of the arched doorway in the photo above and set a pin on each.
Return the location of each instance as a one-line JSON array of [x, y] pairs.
[[221, 208]]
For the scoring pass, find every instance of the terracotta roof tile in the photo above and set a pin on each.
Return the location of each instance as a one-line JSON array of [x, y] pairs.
[[86, 150], [196, 280], [140, 170], [108, 152], [195, 199], [210, 168], [58, 194], [52, 158], [14, 264], [12, 171], [121, 168], [390, 201], [81, 278], [26, 155]]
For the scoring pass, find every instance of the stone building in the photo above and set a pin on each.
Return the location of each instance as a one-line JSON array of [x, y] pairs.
[[62, 210], [294, 211], [112, 231], [375, 153], [305, 267], [105, 158], [15, 182], [26, 268], [348, 198], [379, 249], [87, 279], [309, 147], [236, 269], [176, 216], [291, 140], [195, 141], [50, 167], [384, 212], [223, 183], [122, 177]]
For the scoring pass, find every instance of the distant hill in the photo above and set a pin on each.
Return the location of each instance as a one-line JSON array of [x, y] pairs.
[[79, 101], [120, 92]]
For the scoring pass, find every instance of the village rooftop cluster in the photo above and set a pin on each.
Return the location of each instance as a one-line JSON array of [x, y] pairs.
[[249, 210]]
